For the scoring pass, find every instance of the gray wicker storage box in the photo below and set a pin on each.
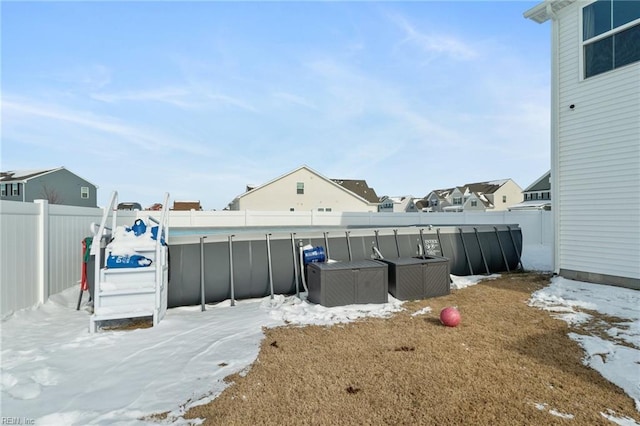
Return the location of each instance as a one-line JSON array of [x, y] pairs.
[[413, 278], [346, 283]]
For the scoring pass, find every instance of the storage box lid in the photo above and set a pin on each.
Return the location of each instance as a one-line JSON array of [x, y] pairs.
[[356, 264], [414, 260]]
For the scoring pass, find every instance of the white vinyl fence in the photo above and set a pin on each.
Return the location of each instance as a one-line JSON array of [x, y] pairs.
[[41, 243], [41, 250], [536, 225]]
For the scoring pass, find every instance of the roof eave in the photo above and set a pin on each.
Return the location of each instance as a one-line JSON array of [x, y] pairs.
[[546, 10]]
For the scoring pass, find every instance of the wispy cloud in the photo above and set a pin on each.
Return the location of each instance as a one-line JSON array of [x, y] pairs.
[[294, 99], [181, 97], [440, 44], [236, 102], [176, 96], [21, 110], [88, 77]]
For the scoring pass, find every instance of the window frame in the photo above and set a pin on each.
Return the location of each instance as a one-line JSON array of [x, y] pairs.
[[84, 192], [3, 189], [607, 34], [300, 188]]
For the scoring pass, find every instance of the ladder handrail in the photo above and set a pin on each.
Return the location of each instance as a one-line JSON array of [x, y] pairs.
[[103, 223], [160, 260], [97, 238]]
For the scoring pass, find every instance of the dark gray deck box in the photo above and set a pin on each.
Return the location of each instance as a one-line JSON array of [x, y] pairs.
[[413, 278], [346, 283]]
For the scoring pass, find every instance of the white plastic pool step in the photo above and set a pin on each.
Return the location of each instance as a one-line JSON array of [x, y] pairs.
[[122, 293]]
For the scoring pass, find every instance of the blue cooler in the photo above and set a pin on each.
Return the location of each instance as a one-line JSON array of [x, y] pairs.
[[314, 255]]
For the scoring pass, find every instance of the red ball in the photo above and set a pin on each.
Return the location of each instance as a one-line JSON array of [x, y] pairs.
[[450, 316]]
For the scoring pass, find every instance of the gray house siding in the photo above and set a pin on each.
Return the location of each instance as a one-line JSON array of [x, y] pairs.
[[59, 186]]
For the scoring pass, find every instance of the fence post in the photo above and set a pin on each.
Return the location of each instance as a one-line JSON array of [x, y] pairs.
[[42, 261]]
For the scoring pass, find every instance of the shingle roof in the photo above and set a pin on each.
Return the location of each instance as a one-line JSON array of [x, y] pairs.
[[359, 187], [485, 187], [542, 184], [20, 175]]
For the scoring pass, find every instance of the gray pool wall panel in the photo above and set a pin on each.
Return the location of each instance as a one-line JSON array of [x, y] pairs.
[[481, 250]]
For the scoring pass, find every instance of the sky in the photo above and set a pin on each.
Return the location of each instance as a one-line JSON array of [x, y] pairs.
[[200, 99], [48, 353]]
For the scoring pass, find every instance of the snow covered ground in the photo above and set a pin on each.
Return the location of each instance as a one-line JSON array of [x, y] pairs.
[[55, 373]]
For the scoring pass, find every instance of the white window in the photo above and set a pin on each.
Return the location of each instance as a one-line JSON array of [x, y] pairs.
[[3, 189], [320, 209], [15, 189], [84, 192], [328, 209], [474, 203], [610, 35], [457, 200], [504, 198], [300, 187]]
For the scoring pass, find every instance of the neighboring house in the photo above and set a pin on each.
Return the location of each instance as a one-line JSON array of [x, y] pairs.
[[400, 204], [496, 195], [58, 186], [186, 205], [435, 201], [537, 196], [595, 138], [304, 189]]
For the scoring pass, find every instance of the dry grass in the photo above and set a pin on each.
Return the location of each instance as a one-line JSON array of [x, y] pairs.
[[128, 324], [505, 364]]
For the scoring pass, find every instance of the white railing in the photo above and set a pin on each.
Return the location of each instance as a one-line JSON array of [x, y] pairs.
[[100, 234], [161, 265]]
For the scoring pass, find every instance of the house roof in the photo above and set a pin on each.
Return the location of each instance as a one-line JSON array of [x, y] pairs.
[[25, 175], [532, 205], [486, 187], [360, 188], [542, 184], [420, 204], [441, 193]]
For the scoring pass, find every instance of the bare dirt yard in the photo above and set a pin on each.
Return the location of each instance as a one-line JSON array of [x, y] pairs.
[[505, 364]]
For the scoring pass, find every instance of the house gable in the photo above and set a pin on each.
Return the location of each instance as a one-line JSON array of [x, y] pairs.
[[303, 189], [543, 183], [477, 201]]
